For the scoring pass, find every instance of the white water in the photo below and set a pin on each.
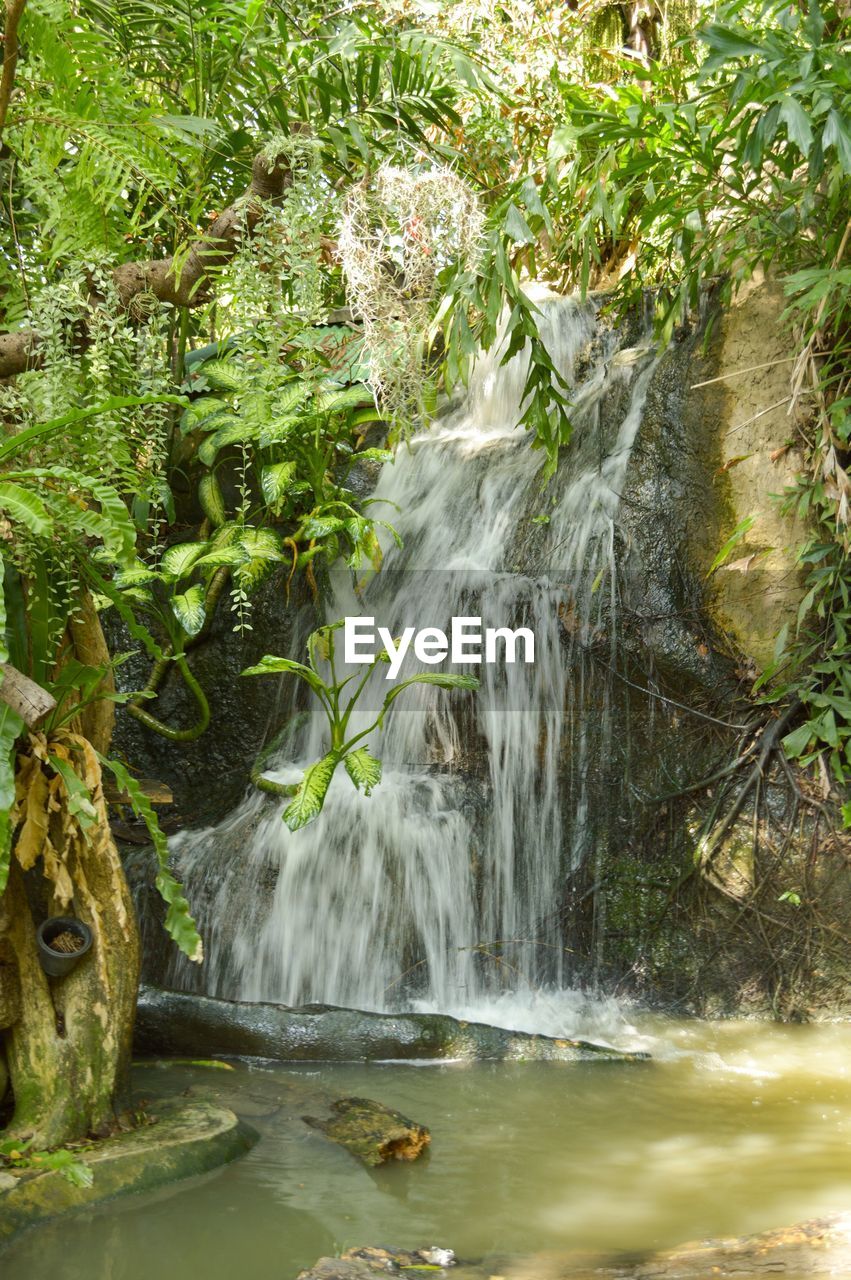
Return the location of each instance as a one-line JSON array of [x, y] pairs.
[[445, 885]]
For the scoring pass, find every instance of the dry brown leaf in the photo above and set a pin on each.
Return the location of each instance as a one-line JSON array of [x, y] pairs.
[[57, 873], [35, 818]]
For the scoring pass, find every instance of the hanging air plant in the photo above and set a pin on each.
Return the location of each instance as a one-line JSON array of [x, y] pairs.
[[400, 231]]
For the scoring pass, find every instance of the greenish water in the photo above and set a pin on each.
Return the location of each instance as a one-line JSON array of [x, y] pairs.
[[732, 1128]]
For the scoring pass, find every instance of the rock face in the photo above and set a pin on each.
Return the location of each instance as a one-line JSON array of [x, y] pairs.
[[759, 587], [187, 1139], [209, 776], [171, 1022]]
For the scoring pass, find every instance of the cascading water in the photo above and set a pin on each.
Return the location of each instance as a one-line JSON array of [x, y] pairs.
[[446, 885]]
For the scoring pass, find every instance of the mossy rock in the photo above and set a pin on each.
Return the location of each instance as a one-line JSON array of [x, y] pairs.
[[187, 1139]]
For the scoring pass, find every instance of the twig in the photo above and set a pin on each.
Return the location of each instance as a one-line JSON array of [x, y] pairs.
[[735, 372]]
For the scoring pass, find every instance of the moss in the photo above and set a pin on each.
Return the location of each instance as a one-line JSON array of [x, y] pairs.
[[185, 1140]]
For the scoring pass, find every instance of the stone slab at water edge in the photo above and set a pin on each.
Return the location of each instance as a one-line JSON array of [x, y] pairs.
[[186, 1139], [172, 1022]]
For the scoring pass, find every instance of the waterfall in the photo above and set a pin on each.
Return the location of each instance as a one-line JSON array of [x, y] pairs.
[[446, 885]]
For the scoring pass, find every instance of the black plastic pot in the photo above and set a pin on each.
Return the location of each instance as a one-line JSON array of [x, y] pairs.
[[57, 963]]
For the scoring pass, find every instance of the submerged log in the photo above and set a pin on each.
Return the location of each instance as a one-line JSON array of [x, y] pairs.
[[171, 1022], [372, 1132]]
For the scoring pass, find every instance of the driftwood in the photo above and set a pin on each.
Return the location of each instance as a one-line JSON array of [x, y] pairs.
[[32, 703], [372, 1132]]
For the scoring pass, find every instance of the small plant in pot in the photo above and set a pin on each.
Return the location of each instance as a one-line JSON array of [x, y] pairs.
[[62, 942]]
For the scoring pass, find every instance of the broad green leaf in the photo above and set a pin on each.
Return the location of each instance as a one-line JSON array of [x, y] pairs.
[[445, 680], [270, 666], [263, 548], [228, 375], [363, 769], [337, 400], [322, 526], [137, 576], [179, 560], [189, 609], [275, 482], [231, 556], [234, 431], [26, 508], [307, 803], [211, 499]]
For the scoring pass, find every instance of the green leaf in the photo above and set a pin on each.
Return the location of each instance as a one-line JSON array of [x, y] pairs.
[[263, 549], [22, 442], [837, 134], [516, 226], [116, 531], [322, 526], [234, 431], [275, 482], [735, 537], [271, 666], [211, 499], [189, 609], [792, 114], [227, 375], [363, 769], [26, 508], [179, 561], [11, 727], [796, 742], [446, 680], [307, 803], [179, 923], [80, 804]]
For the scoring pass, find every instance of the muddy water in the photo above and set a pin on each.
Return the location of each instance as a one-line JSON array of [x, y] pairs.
[[732, 1128]]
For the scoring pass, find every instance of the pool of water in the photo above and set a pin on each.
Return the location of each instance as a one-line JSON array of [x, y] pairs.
[[731, 1128]]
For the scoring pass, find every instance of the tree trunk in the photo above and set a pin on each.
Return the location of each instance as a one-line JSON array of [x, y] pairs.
[[68, 1052]]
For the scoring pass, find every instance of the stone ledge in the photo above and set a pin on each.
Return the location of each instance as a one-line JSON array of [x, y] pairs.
[[188, 1139]]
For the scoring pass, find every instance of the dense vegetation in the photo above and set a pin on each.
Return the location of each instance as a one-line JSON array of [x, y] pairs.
[[194, 198]]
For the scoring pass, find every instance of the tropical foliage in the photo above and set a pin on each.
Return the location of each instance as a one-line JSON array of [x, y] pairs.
[[344, 734]]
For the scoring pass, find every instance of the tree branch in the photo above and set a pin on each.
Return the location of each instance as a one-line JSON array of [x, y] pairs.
[[185, 281], [14, 10]]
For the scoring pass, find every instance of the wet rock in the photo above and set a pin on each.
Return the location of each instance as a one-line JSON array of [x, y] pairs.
[[209, 776], [177, 1023]]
